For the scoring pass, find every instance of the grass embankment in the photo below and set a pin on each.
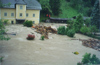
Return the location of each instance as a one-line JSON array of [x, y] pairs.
[[67, 10]]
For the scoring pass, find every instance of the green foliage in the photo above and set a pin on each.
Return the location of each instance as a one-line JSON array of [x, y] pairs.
[[87, 22], [38, 0], [93, 29], [2, 31], [95, 15], [84, 30], [45, 7], [78, 23], [71, 33], [6, 21], [68, 0], [61, 30], [42, 37], [2, 5], [86, 58], [66, 30], [70, 24], [94, 59], [79, 63], [76, 3], [89, 30], [67, 10], [89, 60], [28, 23], [1, 59], [55, 8], [89, 3]]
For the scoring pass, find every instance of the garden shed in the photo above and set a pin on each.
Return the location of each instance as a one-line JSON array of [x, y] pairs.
[[58, 20]]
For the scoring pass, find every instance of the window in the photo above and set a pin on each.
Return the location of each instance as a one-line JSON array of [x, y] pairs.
[[20, 14], [12, 14], [26, 14], [21, 7], [33, 15], [5, 14]]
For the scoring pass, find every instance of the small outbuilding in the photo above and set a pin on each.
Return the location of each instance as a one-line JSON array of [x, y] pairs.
[[58, 20]]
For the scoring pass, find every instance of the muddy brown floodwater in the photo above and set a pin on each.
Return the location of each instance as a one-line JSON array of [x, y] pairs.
[[57, 50]]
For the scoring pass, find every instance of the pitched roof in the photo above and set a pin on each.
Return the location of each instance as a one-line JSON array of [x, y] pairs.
[[20, 2], [59, 18], [30, 4]]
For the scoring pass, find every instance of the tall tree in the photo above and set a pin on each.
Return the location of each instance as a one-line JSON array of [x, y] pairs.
[[55, 6], [45, 6], [2, 31], [96, 15], [38, 0], [2, 27]]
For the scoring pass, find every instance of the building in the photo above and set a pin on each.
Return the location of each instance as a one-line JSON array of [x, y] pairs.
[[20, 10], [58, 20]]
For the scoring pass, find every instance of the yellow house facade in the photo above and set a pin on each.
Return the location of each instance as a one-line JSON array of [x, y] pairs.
[[20, 10]]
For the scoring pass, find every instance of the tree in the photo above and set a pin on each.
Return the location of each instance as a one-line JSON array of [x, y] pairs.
[[38, 0], [2, 31], [78, 23], [95, 15], [45, 6], [68, 0], [55, 6], [92, 2], [2, 5]]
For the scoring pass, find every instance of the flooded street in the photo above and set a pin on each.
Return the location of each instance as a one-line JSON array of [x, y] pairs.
[[57, 50]]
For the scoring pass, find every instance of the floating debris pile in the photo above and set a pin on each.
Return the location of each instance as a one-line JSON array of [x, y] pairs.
[[43, 30], [92, 43]]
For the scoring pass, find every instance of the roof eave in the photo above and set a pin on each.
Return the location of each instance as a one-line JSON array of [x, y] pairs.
[[21, 3]]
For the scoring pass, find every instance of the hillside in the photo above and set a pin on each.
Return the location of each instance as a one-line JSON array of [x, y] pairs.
[[67, 11], [69, 8]]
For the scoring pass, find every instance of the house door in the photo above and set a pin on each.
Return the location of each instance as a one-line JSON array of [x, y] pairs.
[[20, 21], [12, 22]]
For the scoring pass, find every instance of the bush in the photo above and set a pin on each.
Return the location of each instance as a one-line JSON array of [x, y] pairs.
[[87, 22], [61, 30], [28, 23], [86, 58], [70, 21], [93, 29], [30, 37], [89, 60], [79, 63], [66, 30], [84, 30], [5, 21], [2, 31], [78, 23], [42, 37], [71, 33]]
